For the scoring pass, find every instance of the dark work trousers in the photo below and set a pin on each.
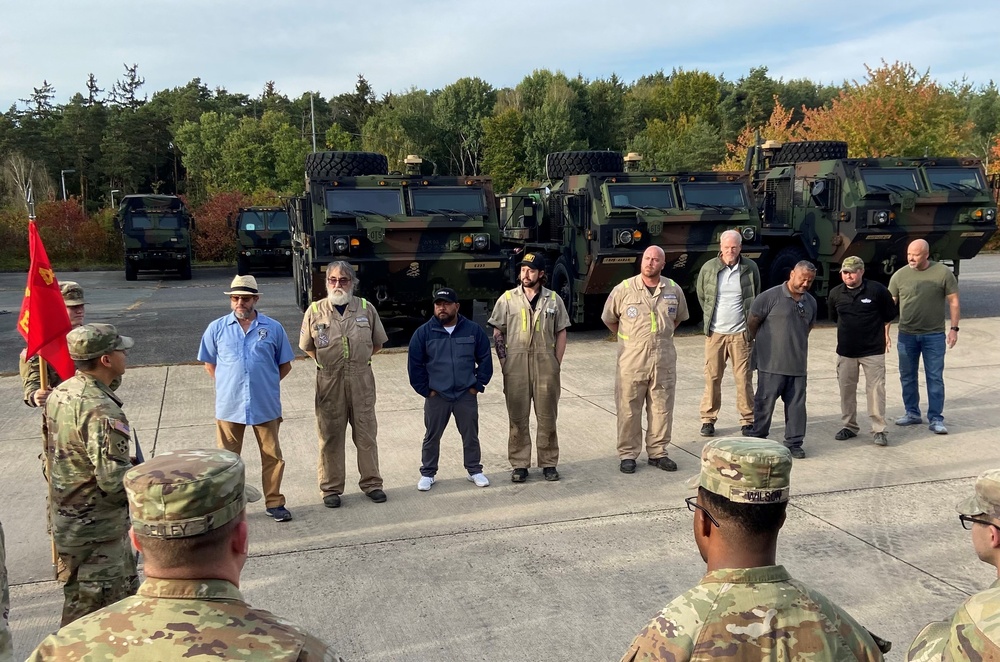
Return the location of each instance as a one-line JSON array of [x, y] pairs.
[[437, 412], [792, 391]]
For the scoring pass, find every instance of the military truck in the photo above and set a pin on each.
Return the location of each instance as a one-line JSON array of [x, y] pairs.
[[820, 205], [156, 233], [598, 212], [263, 239], [406, 234]]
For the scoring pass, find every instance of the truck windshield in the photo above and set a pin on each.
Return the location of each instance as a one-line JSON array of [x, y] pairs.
[[714, 194], [468, 201], [380, 201], [277, 220], [168, 222], [890, 179], [643, 196], [951, 179], [252, 219], [141, 222]]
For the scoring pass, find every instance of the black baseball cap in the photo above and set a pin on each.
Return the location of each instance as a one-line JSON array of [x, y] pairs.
[[445, 294], [533, 261]]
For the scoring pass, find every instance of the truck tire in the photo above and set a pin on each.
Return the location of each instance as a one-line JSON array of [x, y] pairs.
[[131, 271], [320, 165], [562, 284], [564, 164], [810, 150], [784, 262], [186, 270], [241, 266]]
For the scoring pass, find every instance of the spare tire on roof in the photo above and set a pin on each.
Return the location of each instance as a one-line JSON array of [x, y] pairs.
[[810, 150], [345, 164], [564, 164]]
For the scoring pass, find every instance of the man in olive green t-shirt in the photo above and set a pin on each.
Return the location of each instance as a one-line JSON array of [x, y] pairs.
[[921, 291]]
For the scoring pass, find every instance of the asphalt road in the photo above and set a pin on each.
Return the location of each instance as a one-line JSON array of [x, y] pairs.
[[167, 316]]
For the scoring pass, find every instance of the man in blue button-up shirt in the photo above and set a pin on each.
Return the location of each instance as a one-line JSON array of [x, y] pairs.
[[248, 354]]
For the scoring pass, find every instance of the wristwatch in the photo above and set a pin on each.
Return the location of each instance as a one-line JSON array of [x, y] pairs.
[[954, 328]]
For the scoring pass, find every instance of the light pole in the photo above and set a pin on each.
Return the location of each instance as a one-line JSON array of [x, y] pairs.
[[113, 191], [62, 176]]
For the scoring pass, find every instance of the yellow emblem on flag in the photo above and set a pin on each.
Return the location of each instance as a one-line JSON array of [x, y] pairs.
[[47, 275], [23, 322]]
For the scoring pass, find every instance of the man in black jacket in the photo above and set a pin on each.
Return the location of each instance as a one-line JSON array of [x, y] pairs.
[[450, 365], [863, 311]]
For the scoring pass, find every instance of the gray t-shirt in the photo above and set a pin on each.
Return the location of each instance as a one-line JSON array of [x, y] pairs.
[[782, 342]]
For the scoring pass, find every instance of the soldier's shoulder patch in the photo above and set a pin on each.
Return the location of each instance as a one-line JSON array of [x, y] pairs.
[[122, 427]]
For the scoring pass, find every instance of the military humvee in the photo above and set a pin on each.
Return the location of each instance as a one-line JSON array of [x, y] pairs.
[[263, 239], [820, 205], [597, 214], [406, 234], [156, 232]]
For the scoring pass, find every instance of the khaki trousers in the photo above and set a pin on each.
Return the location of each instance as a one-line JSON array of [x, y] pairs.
[[657, 393], [346, 397], [734, 348], [532, 378], [229, 435], [847, 377]]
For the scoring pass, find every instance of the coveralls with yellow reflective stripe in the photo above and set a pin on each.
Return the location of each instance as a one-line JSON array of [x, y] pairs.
[[531, 371], [646, 362], [342, 345]]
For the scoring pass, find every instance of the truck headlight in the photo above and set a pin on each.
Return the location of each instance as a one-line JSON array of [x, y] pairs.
[[340, 245], [624, 238], [748, 233]]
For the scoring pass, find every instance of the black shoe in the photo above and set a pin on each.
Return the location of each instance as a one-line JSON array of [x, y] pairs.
[[708, 429], [845, 434], [518, 475], [377, 495], [331, 501], [747, 431], [664, 463], [797, 452], [550, 473], [279, 513], [627, 467]]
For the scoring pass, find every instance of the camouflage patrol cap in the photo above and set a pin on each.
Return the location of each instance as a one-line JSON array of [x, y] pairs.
[[179, 494], [72, 293], [92, 340], [986, 499], [745, 470], [852, 264]]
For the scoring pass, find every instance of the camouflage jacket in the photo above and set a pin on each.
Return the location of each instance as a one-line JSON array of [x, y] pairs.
[[88, 447], [752, 614], [174, 619], [31, 378], [973, 633]]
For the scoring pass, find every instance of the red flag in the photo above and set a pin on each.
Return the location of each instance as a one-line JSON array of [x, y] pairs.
[[44, 321]]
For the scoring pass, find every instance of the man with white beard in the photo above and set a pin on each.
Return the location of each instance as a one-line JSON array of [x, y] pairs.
[[341, 333]]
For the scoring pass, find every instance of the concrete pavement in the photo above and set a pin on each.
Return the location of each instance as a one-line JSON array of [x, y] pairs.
[[552, 571]]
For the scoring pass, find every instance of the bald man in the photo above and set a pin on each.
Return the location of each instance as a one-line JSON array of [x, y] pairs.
[[921, 292]]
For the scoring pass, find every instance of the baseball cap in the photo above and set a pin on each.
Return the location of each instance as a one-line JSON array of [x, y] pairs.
[[72, 293], [92, 340], [243, 285], [852, 264], [179, 494], [985, 500], [445, 294], [533, 261], [745, 470]]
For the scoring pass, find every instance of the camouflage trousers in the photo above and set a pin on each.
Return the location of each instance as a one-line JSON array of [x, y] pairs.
[[6, 644], [95, 576]]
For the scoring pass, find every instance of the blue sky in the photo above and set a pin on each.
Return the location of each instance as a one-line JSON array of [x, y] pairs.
[[323, 46]]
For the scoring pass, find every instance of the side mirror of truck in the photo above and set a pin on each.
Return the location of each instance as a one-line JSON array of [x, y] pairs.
[[820, 194], [529, 220]]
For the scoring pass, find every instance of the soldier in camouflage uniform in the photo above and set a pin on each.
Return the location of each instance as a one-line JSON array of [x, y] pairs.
[[973, 632], [88, 452], [746, 607], [189, 520], [30, 370]]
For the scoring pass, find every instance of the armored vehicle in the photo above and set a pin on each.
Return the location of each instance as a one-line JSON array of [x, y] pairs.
[[820, 205], [598, 212], [406, 234], [156, 232], [263, 239]]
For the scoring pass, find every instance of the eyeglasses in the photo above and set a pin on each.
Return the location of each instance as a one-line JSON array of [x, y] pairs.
[[235, 298], [339, 281], [693, 506], [967, 522]]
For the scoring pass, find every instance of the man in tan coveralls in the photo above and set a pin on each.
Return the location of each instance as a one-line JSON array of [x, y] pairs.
[[341, 333], [644, 311], [529, 329]]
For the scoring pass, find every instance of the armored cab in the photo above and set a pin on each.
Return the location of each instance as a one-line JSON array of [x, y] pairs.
[[598, 212], [156, 232], [819, 205], [264, 239], [406, 234]]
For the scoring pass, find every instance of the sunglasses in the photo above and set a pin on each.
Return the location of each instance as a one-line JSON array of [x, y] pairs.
[[234, 298], [339, 281]]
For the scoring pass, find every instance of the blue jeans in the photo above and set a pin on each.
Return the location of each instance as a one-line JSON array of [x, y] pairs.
[[910, 348]]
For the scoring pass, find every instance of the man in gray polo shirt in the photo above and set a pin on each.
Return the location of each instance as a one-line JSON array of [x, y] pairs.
[[780, 321]]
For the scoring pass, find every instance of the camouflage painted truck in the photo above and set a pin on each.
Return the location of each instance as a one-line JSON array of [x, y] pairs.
[[820, 205], [598, 212], [406, 234], [156, 232], [263, 239]]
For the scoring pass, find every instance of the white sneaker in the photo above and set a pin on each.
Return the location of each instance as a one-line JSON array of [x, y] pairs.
[[480, 480], [425, 483]]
